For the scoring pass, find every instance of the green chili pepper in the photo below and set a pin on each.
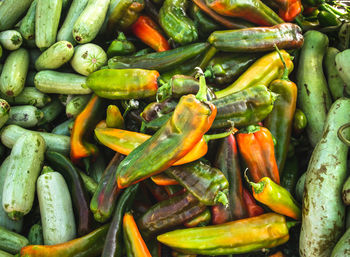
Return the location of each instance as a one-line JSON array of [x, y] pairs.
[[202, 21], [120, 46], [200, 220], [328, 19]]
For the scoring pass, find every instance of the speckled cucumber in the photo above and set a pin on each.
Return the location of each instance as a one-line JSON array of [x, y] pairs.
[[28, 96], [54, 82], [11, 11], [342, 62], [26, 160], [47, 17], [4, 112], [342, 248], [11, 39], [51, 111], [55, 56], [313, 94], [90, 21], [76, 105], [323, 212], [11, 242], [26, 116], [64, 128], [27, 27], [14, 73], [56, 210]]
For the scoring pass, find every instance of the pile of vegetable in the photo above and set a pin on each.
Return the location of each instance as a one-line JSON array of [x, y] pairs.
[[174, 128]]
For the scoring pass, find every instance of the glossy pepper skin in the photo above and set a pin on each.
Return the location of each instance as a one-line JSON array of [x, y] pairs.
[[251, 10], [162, 179], [191, 119], [113, 246], [275, 197], [88, 246], [288, 9], [175, 23], [134, 243], [114, 118], [252, 208], [123, 84], [280, 120], [120, 46], [235, 237], [202, 21], [256, 147], [299, 121], [200, 220], [83, 124], [148, 31]]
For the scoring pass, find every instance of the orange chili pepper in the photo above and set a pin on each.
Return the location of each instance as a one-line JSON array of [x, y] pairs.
[[162, 179]]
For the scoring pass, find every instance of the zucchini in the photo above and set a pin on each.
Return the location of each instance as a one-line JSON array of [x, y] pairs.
[[88, 58], [51, 111], [47, 17], [57, 143], [11, 11], [4, 112], [26, 116], [14, 73], [35, 235], [342, 248], [90, 21], [11, 242], [5, 254], [55, 56], [54, 82], [56, 209], [26, 159], [64, 128], [323, 213], [27, 27], [65, 32], [11, 39], [343, 67], [29, 96], [76, 105]]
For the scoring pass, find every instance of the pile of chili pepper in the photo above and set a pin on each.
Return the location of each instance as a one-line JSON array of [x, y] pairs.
[[197, 130]]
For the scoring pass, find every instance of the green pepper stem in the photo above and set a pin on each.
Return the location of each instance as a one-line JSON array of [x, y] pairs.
[[291, 224], [257, 187], [209, 73], [207, 138], [121, 36], [250, 129], [202, 92], [221, 197], [285, 71], [207, 57], [341, 135]]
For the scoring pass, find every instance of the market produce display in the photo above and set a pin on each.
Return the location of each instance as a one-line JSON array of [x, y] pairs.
[[174, 128]]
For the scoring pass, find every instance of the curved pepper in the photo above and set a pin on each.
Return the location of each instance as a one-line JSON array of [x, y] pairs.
[[200, 220], [252, 208], [120, 46], [256, 147], [162, 179], [149, 33], [114, 118]]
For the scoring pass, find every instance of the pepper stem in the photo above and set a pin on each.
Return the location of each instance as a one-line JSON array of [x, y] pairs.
[[207, 138], [121, 36], [202, 92], [221, 197], [164, 92], [341, 135], [250, 129], [207, 57], [291, 224], [257, 187], [285, 71]]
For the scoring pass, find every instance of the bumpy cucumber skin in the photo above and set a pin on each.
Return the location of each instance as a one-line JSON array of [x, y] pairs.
[[26, 160], [28, 96], [65, 32], [11, 11], [55, 56], [56, 143], [313, 94], [90, 21], [54, 82], [14, 73], [4, 112], [26, 116], [342, 65], [27, 27], [5, 221], [88, 58], [11, 242], [55, 209], [47, 17], [323, 212], [11, 39]]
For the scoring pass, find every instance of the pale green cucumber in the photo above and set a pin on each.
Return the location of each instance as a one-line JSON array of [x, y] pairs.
[[342, 248], [26, 116], [76, 105], [29, 96], [11, 39], [11, 11], [56, 210], [90, 21], [14, 73], [64, 128], [65, 32], [342, 62], [47, 18], [88, 58], [26, 160], [313, 95], [323, 211], [5, 221], [27, 27], [51, 111], [4, 112], [55, 56], [11, 242], [56, 143], [299, 188], [5, 254], [61, 83]]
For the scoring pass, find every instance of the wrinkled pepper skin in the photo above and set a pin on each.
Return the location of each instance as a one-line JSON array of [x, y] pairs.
[[257, 150], [252, 208], [244, 108], [123, 84], [251, 10], [289, 9], [158, 192], [175, 23], [113, 246], [86, 246], [208, 184], [191, 119], [235, 237], [83, 124], [202, 21], [148, 31], [169, 213], [134, 243], [258, 39], [265, 70]]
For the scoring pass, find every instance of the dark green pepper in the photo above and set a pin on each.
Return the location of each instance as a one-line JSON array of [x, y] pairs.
[[328, 19], [35, 235], [120, 46], [202, 21]]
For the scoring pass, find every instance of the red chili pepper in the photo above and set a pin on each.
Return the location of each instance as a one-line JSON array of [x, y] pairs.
[[149, 33], [252, 208]]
